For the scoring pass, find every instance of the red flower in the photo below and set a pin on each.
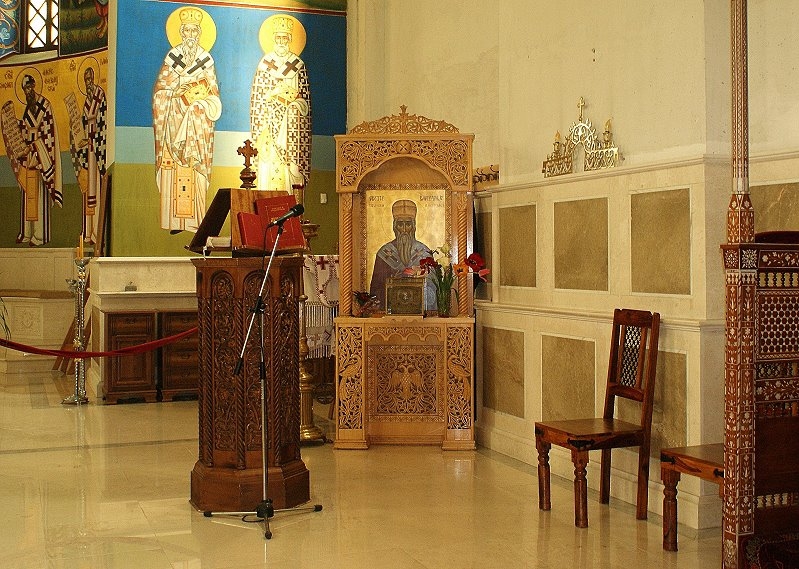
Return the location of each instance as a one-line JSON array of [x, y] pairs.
[[475, 262], [427, 264]]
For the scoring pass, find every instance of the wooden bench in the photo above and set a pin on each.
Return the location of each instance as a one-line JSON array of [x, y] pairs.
[[704, 461]]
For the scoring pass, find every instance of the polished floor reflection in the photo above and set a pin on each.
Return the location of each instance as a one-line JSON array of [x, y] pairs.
[[107, 486]]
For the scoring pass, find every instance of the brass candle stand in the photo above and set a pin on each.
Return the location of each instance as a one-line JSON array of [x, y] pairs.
[[309, 432], [78, 288]]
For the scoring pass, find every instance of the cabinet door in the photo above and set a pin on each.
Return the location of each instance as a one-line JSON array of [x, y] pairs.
[[179, 363], [130, 377]]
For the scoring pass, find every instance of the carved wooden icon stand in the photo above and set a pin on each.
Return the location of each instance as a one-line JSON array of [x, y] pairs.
[[434, 355]]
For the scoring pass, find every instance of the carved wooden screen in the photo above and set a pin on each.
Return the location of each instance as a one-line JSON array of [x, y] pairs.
[[390, 160]]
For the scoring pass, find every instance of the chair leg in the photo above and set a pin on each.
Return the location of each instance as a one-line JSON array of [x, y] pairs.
[[580, 460], [543, 474], [604, 480], [642, 501]]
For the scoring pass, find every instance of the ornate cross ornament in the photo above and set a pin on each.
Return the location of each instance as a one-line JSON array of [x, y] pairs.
[[599, 154], [247, 175]]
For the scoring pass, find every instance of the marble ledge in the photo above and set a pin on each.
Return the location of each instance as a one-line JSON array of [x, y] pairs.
[[115, 301], [590, 316], [642, 166], [142, 294], [149, 275]]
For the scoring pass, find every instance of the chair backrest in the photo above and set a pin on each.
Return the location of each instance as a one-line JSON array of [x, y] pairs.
[[633, 359]]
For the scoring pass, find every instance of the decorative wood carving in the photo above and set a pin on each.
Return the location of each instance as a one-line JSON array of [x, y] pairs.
[[761, 494], [228, 474], [403, 380], [413, 387], [407, 383], [403, 124]]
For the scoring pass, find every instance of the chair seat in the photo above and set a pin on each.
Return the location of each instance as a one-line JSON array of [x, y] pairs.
[[590, 434]]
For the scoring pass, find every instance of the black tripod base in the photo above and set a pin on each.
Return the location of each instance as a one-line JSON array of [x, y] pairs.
[[263, 511]]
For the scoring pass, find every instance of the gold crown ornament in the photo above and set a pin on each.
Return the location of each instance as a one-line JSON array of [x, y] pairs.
[[282, 26], [191, 16]]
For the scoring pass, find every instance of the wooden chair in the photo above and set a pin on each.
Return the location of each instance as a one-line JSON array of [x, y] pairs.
[[631, 374]]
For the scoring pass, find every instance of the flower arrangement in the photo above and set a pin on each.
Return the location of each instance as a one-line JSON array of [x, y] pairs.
[[443, 274], [365, 303]]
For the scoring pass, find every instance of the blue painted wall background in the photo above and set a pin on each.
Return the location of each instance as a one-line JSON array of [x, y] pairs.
[[142, 45]]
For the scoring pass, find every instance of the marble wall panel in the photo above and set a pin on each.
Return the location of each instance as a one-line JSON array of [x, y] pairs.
[[36, 268], [581, 244], [503, 373], [517, 238], [660, 242], [482, 245], [669, 417], [776, 206], [567, 378]]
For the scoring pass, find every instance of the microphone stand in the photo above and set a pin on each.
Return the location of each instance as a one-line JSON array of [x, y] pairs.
[[265, 509]]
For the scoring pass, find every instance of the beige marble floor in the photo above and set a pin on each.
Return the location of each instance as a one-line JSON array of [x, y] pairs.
[[108, 487]]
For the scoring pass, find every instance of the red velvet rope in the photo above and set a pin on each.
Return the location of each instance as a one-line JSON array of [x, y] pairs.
[[128, 351]]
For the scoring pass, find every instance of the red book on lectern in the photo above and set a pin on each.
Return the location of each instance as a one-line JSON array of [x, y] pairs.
[[253, 225], [251, 229]]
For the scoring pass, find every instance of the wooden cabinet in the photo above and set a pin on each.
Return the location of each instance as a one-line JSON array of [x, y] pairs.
[[165, 373], [179, 362], [130, 377]]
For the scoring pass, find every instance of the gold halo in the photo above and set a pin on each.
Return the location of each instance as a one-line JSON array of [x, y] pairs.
[[207, 28], [85, 64], [298, 35], [37, 76]]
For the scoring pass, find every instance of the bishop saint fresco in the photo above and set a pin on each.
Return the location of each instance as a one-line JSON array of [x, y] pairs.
[[186, 106], [33, 149], [280, 108]]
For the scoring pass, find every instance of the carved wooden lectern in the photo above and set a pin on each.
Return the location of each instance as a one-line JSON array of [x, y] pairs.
[[228, 475]]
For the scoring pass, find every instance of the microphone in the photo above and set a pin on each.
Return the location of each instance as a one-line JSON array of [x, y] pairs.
[[293, 211]]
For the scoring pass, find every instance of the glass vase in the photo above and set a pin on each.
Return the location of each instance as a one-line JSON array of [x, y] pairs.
[[443, 301]]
